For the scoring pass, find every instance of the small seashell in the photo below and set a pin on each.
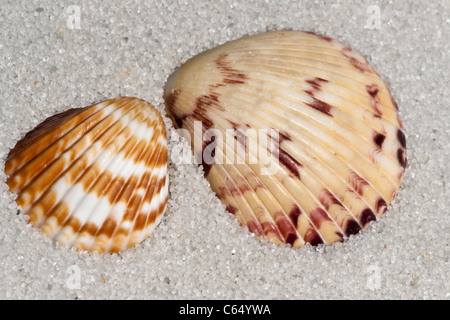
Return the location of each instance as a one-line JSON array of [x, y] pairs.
[[336, 142], [94, 178]]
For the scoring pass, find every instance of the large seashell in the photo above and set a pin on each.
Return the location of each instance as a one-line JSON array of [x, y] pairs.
[[94, 178], [340, 147]]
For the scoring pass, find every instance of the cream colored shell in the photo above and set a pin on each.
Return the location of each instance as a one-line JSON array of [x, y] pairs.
[[340, 152], [94, 178]]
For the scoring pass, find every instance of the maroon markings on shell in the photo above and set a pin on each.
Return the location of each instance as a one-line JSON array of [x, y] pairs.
[[357, 183], [289, 162], [217, 85], [347, 48], [270, 227], [231, 76], [318, 216], [178, 121], [284, 137], [352, 228], [207, 165], [401, 156], [392, 99], [373, 90], [234, 190], [394, 103], [381, 206], [315, 83], [401, 138], [367, 216], [326, 38], [374, 154], [259, 183], [208, 100], [171, 99], [234, 125], [255, 227], [399, 120], [378, 138], [200, 114], [313, 237], [244, 186], [294, 214], [320, 105], [361, 66], [231, 209], [240, 137], [291, 238], [223, 192], [208, 148], [316, 103], [286, 228], [327, 199]]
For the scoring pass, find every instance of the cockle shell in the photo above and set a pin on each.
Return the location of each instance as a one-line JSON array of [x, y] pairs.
[[340, 150], [94, 178]]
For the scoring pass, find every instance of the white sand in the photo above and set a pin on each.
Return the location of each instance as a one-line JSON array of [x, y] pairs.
[[198, 251]]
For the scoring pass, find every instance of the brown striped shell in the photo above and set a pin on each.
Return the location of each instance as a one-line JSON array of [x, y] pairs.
[[94, 178], [336, 149]]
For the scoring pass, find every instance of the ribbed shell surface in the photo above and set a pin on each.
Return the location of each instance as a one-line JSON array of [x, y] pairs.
[[94, 178], [340, 152]]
